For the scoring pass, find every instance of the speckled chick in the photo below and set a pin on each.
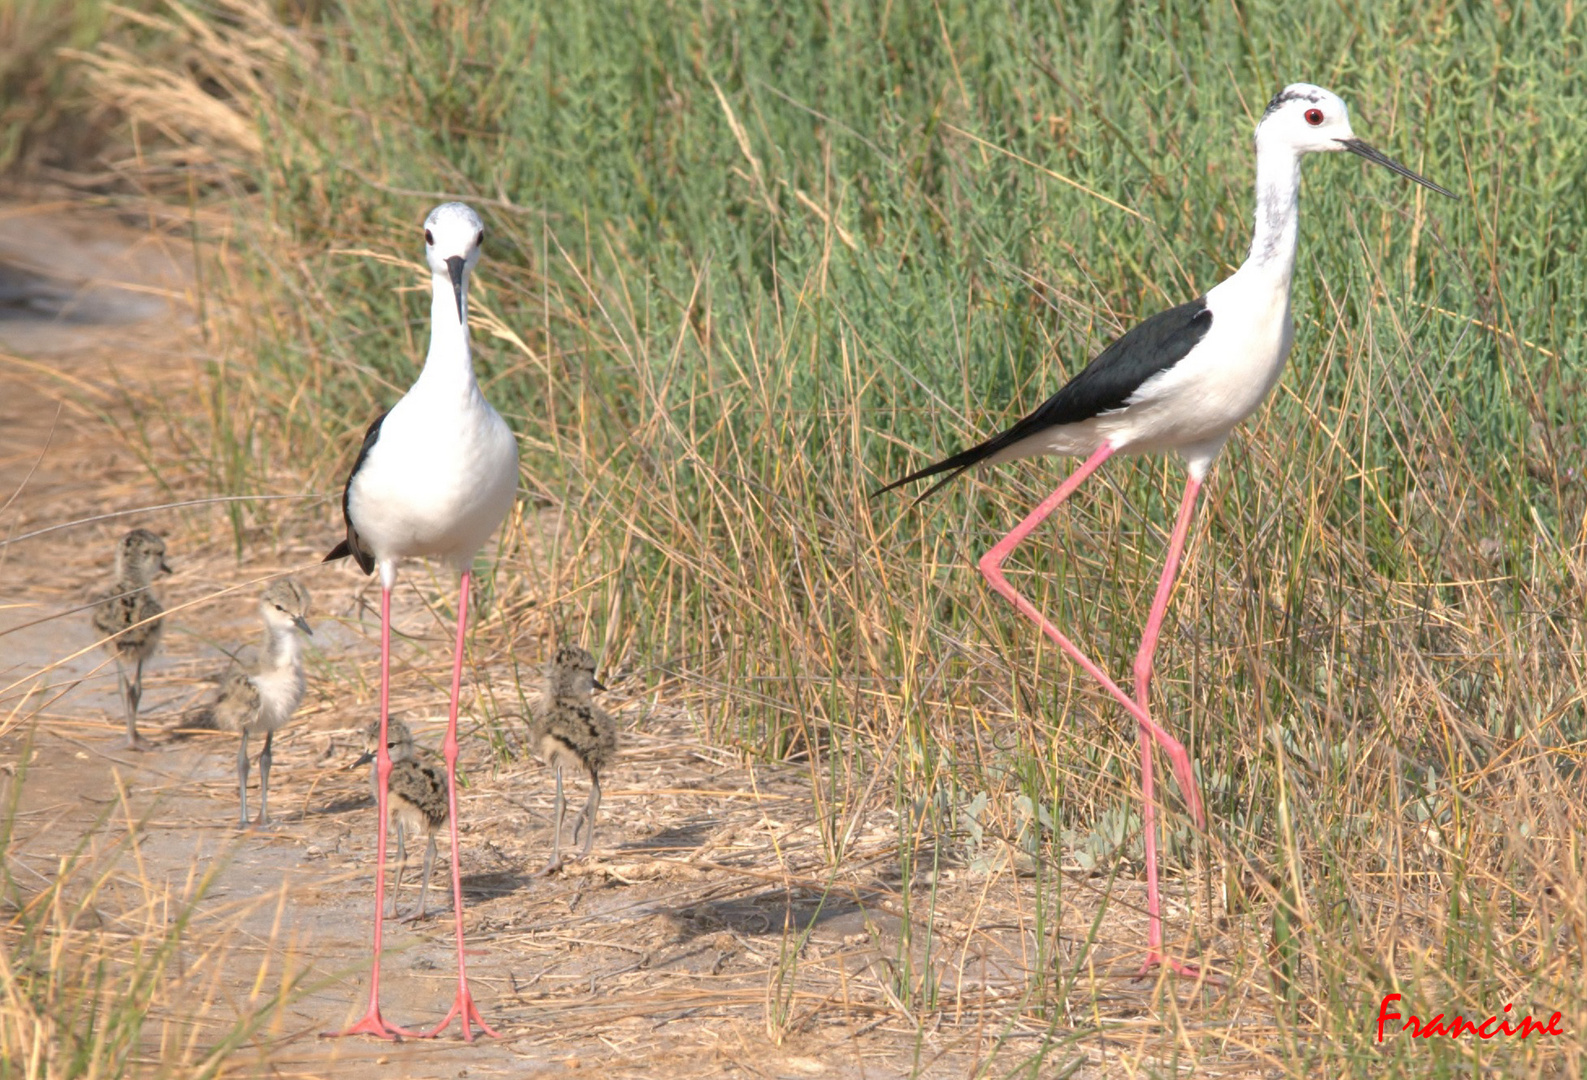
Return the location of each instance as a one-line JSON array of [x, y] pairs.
[[570, 731], [416, 803], [259, 699], [129, 615]]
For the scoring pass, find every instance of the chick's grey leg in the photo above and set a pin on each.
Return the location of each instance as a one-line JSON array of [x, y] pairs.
[[424, 880], [264, 779], [558, 807], [242, 778], [592, 805]]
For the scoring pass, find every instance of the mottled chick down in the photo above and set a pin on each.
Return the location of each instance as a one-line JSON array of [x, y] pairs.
[[129, 616], [261, 698], [569, 730], [416, 799]]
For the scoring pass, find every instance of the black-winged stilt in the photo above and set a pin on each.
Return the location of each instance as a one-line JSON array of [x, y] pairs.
[[129, 617], [261, 698], [417, 800], [435, 477], [570, 731], [1181, 380]]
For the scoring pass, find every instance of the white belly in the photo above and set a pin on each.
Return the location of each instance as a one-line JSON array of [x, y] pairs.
[[280, 694], [437, 482]]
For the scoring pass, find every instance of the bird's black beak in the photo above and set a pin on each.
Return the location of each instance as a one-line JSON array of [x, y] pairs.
[[303, 625], [598, 684], [456, 265], [1378, 157], [165, 567], [364, 759]]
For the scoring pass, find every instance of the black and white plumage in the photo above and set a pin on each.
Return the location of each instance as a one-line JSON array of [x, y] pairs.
[[129, 618], [1109, 385], [569, 731], [352, 545], [259, 698], [1181, 380], [435, 477], [416, 800]]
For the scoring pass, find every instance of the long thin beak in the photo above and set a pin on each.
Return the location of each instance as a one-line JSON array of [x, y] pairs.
[[165, 567], [598, 684], [303, 625], [456, 265], [1378, 157], [364, 759]]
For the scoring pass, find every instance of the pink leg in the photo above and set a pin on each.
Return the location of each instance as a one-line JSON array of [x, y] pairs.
[[991, 565], [1143, 677], [992, 569], [372, 1022], [463, 1005]]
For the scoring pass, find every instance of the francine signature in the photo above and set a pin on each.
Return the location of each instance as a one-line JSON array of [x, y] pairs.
[[1457, 1026]]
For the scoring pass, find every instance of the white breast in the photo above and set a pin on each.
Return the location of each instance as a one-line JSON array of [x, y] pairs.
[[438, 481], [1194, 405], [280, 694]]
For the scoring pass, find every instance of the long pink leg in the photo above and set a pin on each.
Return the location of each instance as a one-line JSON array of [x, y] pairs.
[[991, 565], [372, 1022], [1143, 678], [463, 1005]]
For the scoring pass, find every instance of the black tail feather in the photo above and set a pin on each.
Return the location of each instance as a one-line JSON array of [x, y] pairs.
[[953, 466], [366, 561]]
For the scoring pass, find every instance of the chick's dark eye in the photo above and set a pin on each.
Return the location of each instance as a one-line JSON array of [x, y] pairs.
[[428, 238], [479, 240], [1314, 117]]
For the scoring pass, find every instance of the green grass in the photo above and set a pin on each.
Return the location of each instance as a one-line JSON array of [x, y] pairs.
[[747, 261]]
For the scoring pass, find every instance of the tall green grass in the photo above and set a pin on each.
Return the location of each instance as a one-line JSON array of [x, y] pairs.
[[746, 261]]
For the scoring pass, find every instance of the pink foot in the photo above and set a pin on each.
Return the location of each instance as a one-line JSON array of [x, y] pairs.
[[463, 1008], [374, 1024], [1156, 959]]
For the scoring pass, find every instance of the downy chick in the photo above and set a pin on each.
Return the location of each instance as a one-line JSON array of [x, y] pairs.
[[416, 800], [140, 556], [570, 731], [262, 697]]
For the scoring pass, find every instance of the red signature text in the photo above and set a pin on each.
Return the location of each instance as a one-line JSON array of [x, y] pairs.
[[1457, 1025]]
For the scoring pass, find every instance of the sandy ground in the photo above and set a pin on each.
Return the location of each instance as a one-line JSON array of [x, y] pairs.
[[710, 934]]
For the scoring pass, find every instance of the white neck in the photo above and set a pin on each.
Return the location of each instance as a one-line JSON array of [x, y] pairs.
[[1277, 213], [283, 648], [449, 362]]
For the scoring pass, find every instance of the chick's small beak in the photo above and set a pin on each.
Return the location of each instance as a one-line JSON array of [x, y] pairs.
[[363, 759], [598, 684], [455, 266], [303, 625], [165, 567], [1361, 148]]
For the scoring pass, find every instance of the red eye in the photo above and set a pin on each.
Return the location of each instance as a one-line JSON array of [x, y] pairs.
[[428, 239], [1314, 117]]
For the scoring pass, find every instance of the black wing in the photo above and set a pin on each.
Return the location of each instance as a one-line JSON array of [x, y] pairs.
[[1148, 348], [353, 545]]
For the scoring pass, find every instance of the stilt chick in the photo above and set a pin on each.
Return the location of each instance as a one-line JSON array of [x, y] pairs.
[[416, 800], [571, 731], [262, 697], [129, 616]]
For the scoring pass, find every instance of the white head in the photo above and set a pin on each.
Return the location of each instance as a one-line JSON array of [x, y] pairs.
[[1308, 119], [453, 236], [284, 607]]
